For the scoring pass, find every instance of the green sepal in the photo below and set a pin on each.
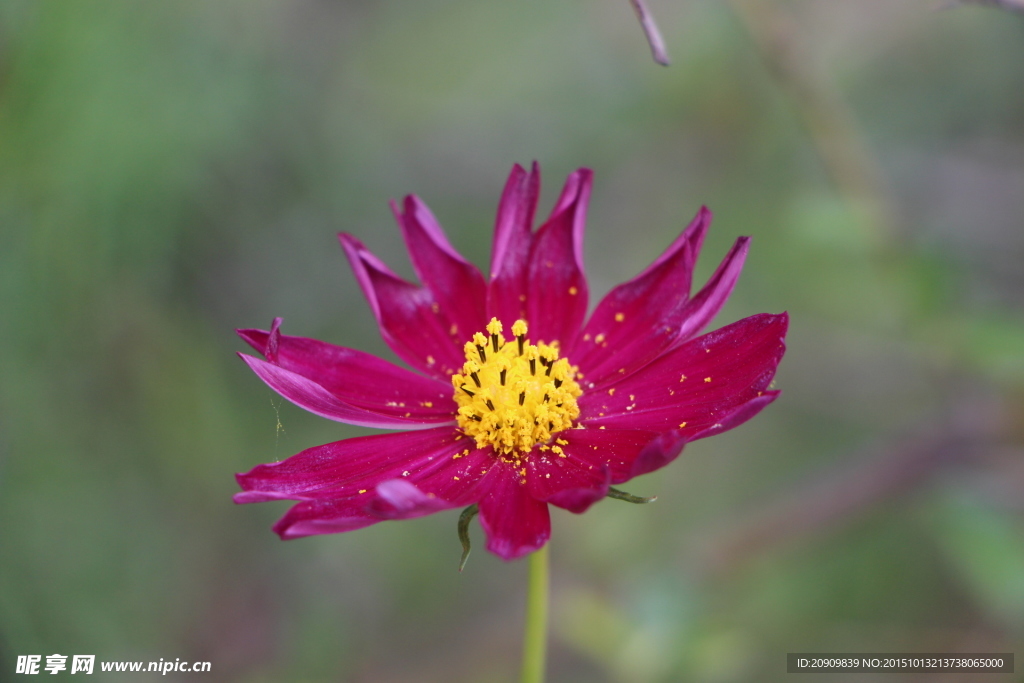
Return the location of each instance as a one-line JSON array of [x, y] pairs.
[[629, 497], [464, 519]]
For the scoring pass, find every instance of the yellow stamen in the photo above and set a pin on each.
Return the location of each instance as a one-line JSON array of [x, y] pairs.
[[513, 396]]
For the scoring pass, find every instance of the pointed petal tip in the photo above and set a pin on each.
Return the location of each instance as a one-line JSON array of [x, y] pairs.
[[282, 528], [695, 232], [515, 174], [575, 193], [739, 414], [354, 250], [739, 252], [359, 256], [782, 319], [245, 497], [252, 361], [518, 175], [289, 531], [273, 341], [410, 203], [350, 243], [396, 210], [411, 207], [585, 177], [253, 337], [263, 341]]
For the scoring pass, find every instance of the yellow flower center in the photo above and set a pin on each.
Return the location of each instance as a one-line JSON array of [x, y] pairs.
[[513, 395]]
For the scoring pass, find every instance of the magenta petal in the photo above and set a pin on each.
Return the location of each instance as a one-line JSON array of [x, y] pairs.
[[506, 293], [570, 482], [457, 285], [357, 378], [401, 499], [738, 415], [700, 310], [637, 320], [315, 517], [515, 522], [355, 466], [693, 238], [270, 343], [578, 500], [556, 300], [659, 452], [368, 484], [591, 460], [540, 277], [459, 482], [313, 397], [667, 446], [410, 318], [697, 385]]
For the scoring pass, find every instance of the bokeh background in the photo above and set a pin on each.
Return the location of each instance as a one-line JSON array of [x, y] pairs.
[[171, 171]]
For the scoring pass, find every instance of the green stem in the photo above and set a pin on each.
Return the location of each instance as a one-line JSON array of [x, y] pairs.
[[535, 635]]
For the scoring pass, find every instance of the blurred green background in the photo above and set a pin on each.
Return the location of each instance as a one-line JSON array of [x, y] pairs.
[[171, 171]]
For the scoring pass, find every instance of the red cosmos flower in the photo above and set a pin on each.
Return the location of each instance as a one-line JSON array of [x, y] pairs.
[[517, 403]]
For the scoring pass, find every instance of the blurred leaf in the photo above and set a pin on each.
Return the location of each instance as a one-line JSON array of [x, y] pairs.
[[986, 547]]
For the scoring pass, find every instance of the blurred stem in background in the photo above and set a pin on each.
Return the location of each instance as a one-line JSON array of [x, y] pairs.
[[830, 124], [654, 39], [968, 433], [973, 426]]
